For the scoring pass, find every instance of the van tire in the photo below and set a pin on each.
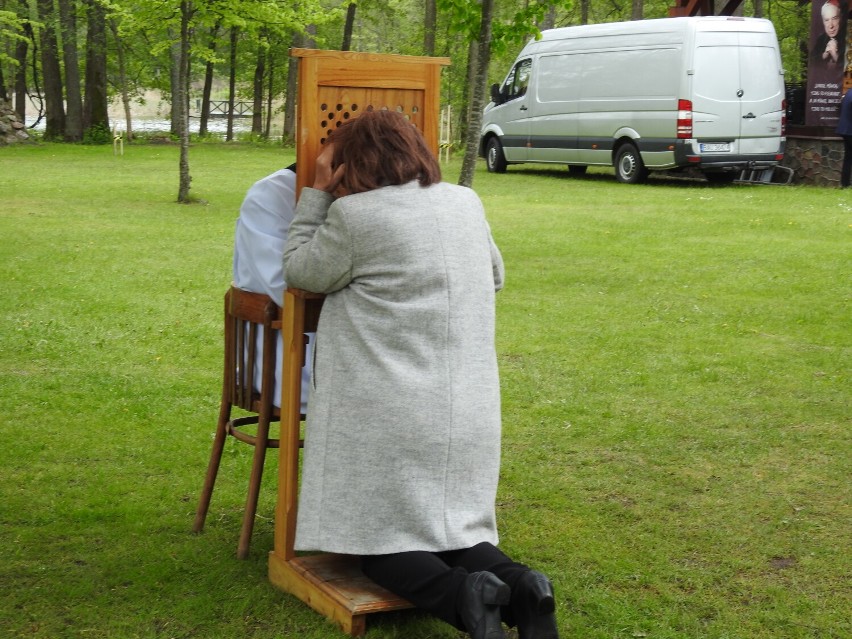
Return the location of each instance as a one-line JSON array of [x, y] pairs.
[[629, 168], [577, 169], [494, 158]]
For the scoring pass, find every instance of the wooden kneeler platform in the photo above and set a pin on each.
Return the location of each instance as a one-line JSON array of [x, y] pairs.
[[333, 585], [335, 86]]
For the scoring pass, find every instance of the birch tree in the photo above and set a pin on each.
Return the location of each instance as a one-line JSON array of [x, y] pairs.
[[180, 98], [477, 96]]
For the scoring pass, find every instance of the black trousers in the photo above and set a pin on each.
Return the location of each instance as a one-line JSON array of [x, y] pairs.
[[846, 169], [431, 581]]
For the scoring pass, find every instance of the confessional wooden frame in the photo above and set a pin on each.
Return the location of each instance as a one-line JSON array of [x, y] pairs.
[[337, 85], [333, 87]]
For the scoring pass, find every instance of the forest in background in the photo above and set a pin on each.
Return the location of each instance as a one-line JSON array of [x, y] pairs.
[[64, 61], [67, 59]]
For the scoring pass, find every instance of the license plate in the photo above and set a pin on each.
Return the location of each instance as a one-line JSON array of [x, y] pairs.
[[715, 147]]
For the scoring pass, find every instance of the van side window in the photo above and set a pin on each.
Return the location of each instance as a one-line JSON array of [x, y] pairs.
[[516, 82]]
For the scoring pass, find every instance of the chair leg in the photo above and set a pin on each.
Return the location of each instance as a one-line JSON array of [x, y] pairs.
[[258, 460], [213, 466]]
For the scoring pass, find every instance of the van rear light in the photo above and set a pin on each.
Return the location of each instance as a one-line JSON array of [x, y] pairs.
[[783, 117], [684, 119]]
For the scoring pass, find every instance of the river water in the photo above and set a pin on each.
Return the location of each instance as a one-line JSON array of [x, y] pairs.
[[155, 124]]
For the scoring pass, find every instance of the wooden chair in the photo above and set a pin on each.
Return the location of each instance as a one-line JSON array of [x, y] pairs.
[[245, 313]]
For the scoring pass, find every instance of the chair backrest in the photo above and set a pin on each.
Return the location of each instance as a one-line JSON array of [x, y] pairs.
[[247, 315]]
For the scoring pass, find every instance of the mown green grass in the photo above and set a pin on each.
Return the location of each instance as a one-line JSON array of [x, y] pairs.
[[675, 367]]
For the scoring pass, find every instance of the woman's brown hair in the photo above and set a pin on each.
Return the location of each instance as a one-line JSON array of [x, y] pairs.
[[382, 148]]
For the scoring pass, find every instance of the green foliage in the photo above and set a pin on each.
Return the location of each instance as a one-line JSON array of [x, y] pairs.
[[792, 25], [148, 28], [675, 386], [97, 134], [154, 137], [10, 31], [461, 17]]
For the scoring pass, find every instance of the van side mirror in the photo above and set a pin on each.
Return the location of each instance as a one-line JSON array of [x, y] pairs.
[[496, 98]]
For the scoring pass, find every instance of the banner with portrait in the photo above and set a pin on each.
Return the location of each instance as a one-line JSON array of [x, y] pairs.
[[826, 61]]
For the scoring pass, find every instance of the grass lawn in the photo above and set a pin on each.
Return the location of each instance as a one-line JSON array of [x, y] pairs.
[[675, 364]]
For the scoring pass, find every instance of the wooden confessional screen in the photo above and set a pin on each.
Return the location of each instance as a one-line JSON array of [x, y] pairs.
[[335, 86]]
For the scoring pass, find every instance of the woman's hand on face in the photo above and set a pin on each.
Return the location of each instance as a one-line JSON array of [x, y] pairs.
[[326, 179]]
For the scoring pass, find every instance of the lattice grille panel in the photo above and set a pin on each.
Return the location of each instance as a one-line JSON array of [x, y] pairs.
[[335, 86], [339, 104]]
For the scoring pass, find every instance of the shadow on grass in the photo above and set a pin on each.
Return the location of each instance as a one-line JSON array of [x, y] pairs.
[[603, 176]]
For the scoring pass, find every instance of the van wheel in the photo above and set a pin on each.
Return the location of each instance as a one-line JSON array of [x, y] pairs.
[[494, 158], [577, 169], [629, 167]]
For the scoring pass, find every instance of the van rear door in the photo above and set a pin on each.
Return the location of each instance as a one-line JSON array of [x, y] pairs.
[[737, 94]]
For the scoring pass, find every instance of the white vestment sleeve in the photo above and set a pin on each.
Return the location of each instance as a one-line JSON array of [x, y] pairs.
[[261, 232]]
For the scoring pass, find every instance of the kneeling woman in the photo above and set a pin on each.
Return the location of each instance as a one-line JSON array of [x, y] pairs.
[[402, 450]]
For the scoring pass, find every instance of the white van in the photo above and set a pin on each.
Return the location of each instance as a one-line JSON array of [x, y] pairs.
[[701, 92]]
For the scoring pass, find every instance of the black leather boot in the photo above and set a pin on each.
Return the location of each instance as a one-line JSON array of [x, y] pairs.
[[481, 596], [534, 607]]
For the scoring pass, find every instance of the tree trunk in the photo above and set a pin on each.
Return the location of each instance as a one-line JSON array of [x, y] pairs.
[[54, 107], [483, 56], [288, 134], [21, 49], [95, 116], [299, 41], [758, 9], [232, 85], [269, 93], [208, 84], [174, 83], [204, 116], [73, 97], [467, 89], [181, 100], [637, 10], [257, 88], [122, 80], [549, 20], [348, 27], [430, 20], [584, 11]]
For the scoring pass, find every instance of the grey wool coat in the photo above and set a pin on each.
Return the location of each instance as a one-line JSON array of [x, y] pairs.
[[402, 439]]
